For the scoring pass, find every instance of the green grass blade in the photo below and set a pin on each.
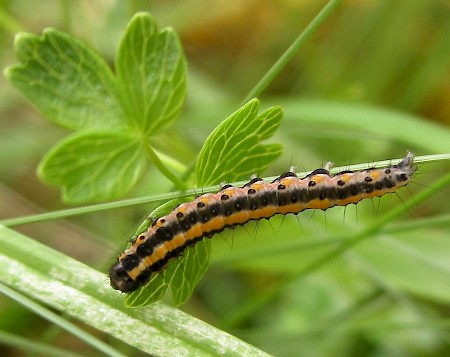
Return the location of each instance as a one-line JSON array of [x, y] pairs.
[[58, 320], [24, 344], [84, 293]]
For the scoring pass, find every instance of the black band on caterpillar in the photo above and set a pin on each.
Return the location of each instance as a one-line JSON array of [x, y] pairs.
[[231, 206]]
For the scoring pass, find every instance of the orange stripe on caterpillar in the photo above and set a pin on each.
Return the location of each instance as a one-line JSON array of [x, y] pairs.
[[231, 206]]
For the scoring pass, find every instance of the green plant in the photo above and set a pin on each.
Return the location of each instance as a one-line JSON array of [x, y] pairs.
[[114, 116]]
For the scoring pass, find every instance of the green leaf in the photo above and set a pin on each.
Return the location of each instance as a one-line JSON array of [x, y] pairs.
[[83, 293], [181, 275], [233, 151], [151, 70], [94, 166], [152, 292], [184, 274], [73, 86], [66, 81]]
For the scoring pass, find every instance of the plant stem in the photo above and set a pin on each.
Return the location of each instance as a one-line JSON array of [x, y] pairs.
[[8, 24], [70, 212], [292, 50], [163, 169]]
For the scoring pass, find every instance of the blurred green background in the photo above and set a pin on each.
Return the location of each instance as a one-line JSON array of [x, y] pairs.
[[370, 63]]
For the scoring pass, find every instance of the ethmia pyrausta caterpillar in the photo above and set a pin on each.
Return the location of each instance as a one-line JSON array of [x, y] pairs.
[[211, 213]]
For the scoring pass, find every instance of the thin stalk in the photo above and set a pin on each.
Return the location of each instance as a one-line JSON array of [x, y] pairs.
[[8, 24], [163, 169], [292, 50], [70, 212]]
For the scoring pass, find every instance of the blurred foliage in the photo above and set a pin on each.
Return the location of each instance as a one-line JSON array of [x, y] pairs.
[[386, 53]]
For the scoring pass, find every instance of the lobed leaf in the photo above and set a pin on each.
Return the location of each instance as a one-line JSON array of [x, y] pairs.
[[66, 81], [152, 292], [233, 151], [94, 166], [184, 275], [72, 86], [151, 70]]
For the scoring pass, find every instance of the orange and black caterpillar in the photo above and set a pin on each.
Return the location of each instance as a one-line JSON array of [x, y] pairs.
[[211, 213]]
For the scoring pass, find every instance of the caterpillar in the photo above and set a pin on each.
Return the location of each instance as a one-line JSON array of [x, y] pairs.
[[231, 206]]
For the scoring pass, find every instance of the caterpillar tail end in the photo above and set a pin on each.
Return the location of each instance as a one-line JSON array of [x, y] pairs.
[[407, 162]]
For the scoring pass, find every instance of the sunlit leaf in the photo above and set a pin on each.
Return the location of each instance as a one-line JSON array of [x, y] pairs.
[[151, 70], [94, 166], [69, 83], [233, 151]]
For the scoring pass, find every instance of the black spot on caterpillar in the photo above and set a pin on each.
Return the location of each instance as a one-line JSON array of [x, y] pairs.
[[211, 213]]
